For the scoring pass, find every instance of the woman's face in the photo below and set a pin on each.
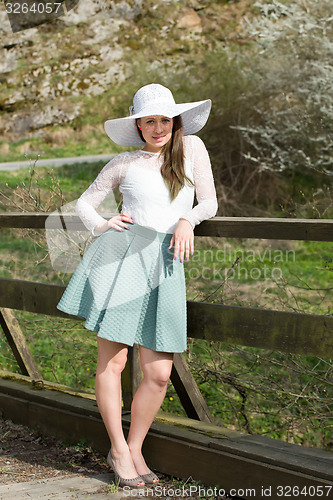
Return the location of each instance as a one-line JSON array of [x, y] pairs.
[[156, 131]]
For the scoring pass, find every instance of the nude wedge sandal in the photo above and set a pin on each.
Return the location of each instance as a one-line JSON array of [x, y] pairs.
[[133, 483]]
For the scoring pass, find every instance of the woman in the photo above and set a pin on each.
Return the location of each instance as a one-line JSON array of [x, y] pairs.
[[130, 285]]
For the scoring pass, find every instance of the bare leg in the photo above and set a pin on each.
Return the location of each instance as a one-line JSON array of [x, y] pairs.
[[111, 361], [156, 367]]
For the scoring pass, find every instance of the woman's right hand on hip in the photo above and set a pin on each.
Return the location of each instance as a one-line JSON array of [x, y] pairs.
[[118, 222]]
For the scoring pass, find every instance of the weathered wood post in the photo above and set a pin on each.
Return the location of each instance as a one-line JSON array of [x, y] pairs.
[[18, 344], [131, 377]]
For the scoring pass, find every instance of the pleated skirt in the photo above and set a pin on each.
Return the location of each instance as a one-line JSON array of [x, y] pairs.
[[129, 289]]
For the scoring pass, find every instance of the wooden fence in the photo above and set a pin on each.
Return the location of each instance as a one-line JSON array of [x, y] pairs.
[[276, 330]]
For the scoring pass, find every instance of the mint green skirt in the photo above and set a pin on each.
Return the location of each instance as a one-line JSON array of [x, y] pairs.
[[129, 289]]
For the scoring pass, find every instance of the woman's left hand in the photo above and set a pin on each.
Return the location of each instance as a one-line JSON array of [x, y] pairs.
[[183, 239]]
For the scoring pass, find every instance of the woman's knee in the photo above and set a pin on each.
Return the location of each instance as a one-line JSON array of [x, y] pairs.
[[118, 364], [159, 375], [156, 366], [112, 357]]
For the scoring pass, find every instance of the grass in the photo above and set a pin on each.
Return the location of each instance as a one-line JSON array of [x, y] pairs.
[[270, 274], [280, 395], [64, 350], [53, 146]]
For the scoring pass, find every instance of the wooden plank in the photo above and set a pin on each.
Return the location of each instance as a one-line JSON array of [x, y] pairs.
[[265, 329], [188, 392], [46, 384], [36, 220], [233, 227], [31, 296], [253, 327], [267, 228], [230, 462], [236, 474], [18, 344], [13, 382]]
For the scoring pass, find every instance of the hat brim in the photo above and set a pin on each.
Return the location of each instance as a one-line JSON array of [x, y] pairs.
[[124, 131]]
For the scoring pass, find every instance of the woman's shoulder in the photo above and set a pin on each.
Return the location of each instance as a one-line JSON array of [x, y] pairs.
[[126, 155], [121, 159], [192, 144], [193, 140]]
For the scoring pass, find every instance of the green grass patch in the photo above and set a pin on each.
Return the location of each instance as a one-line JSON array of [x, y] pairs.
[[280, 395], [64, 350], [293, 275]]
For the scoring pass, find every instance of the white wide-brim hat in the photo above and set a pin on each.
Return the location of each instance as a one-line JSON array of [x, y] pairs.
[[154, 99]]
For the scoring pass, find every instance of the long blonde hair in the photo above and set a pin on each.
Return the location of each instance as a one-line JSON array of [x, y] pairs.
[[173, 167]]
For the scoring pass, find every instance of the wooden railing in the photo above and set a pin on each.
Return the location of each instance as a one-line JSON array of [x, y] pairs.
[[261, 328], [232, 227]]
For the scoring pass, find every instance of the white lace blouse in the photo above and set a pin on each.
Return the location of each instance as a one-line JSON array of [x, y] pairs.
[[145, 195]]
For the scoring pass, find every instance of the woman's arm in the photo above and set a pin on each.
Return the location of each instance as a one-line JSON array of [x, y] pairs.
[[183, 236], [108, 179], [204, 183]]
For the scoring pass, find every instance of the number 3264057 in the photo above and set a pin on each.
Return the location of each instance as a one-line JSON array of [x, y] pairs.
[[35, 7]]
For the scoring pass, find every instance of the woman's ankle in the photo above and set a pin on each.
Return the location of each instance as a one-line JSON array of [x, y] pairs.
[[135, 449], [119, 450]]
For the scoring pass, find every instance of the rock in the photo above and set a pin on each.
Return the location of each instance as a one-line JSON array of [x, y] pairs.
[[86, 9], [82, 12], [123, 10], [108, 53], [8, 61], [88, 51], [51, 114], [4, 150], [103, 30], [13, 101], [4, 22], [190, 20]]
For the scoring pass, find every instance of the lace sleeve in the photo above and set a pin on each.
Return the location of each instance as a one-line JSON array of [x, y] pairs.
[[205, 192], [107, 180]]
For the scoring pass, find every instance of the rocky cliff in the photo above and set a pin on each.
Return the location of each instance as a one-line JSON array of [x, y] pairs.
[[70, 74]]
